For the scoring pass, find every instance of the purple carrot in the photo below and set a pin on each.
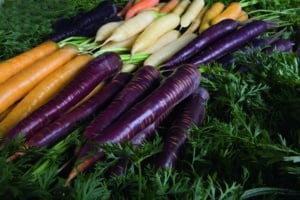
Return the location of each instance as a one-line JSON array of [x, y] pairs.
[[146, 79], [202, 41], [180, 84], [230, 42], [280, 45], [62, 126], [95, 71], [137, 140], [190, 112]]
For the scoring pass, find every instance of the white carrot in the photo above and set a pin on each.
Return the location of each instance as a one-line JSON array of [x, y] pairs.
[[106, 30], [133, 26], [181, 7], [166, 52], [191, 13], [156, 29], [162, 41]]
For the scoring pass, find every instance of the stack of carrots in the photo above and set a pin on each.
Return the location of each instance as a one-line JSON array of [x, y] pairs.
[[152, 31]]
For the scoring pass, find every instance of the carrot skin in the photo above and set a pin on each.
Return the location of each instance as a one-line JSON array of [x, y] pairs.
[[283, 45], [189, 112], [232, 11], [44, 91], [146, 79], [15, 64], [21, 83], [201, 41], [96, 71], [180, 84], [230, 42], [139, 6], [59, 128]]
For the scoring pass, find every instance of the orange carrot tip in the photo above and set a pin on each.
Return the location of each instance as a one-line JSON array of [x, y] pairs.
[[139, 6], [169, 6]]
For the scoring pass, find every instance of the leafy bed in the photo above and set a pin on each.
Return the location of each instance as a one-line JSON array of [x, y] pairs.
[[248, 145]]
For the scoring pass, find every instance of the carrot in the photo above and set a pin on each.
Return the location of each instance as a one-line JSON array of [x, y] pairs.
[[243, 16], [190, 112], [215, 9], [164, 98], [191, 13], [181, 7], [106, 30], [169, 6], [196, 22], [232, 11], [169, 50], [162, 41], [156, 29], [144, 81], [139, 6], [125, 8], [44, 91], [5, 113], [124, 44], [17, 86], [97, 70], [15, 64], [132, 26]]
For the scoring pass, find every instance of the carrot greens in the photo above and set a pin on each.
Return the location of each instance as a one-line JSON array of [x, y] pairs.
[[247, 146]]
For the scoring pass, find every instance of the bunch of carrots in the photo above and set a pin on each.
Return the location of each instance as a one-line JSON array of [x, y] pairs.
[[127, 79]]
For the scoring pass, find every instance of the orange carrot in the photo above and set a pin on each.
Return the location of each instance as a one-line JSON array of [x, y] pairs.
[[5, 113], [232, 11], [169, 6], [215, 9], [15, 64], [139, 6], [21, 83], [243, 17], [44, 91]]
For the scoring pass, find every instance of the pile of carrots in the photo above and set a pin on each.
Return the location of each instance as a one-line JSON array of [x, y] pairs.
[[49, 89]]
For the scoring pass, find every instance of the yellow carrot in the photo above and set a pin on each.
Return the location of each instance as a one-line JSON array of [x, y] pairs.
[[243, 16], [15, 64], [44, 91], [21, 83], [232, 11], [181, 7], [156, 29], [191, 13], [215, 9]]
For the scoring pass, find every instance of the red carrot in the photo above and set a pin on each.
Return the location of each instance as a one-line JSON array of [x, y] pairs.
[[139, 6]]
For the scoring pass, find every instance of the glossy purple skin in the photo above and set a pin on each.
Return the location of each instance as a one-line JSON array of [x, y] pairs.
[[280, 45], [145, 80], [62, 126], [202, 41], [171, 92], [190, 112], [230, 42], [97, 70]]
